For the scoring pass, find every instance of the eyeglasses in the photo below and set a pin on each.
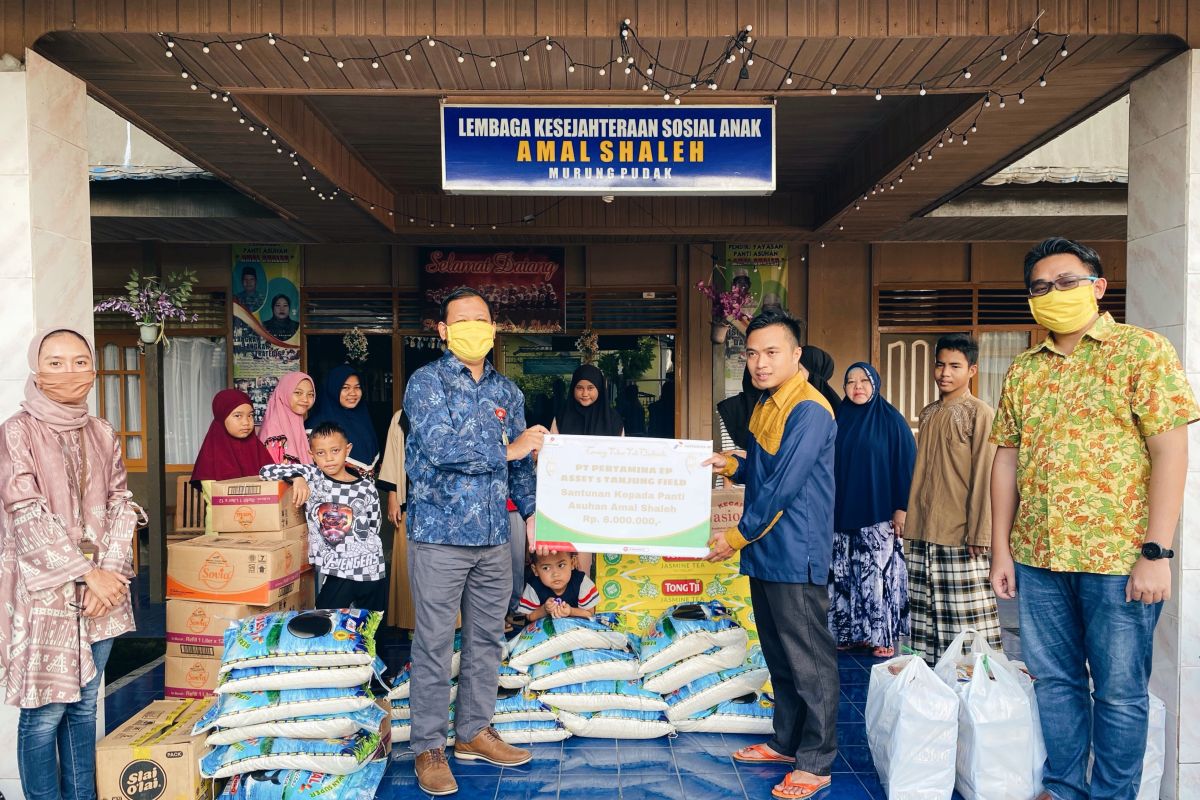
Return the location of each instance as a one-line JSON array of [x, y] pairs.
[[1063, 284]]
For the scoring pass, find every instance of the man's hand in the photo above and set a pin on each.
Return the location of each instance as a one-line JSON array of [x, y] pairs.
[[394, 514], [898, 519], [977, 550], [300, 491], [1149, 581], [529, 441], [718, 548], [110, 588], [717, 461], [1004, 575]]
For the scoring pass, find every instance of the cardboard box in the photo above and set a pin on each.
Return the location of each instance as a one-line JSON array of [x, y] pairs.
[[294, 533], [196, 628], [190, 677], [235, 569], [250, 504], [153, 755]]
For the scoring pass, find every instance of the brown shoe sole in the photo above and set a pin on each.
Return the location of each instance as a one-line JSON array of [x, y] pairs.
[[431, 792], [470, 756]]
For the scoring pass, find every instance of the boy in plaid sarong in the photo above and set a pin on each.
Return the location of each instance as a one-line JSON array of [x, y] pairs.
[[949, 511]]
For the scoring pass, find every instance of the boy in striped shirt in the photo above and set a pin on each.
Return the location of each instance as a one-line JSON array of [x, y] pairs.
[[555, 587]]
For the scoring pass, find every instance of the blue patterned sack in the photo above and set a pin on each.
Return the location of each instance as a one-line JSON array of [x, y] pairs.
[[301, 639], [332, 756], [288, 784]]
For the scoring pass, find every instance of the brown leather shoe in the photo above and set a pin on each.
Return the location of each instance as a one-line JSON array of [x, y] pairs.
[[433, 773], [489, 747]]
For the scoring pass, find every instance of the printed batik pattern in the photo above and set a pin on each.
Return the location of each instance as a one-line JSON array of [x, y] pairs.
[[455, 455], [868, 596]]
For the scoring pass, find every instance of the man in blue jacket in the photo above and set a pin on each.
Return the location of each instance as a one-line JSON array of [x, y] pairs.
[[785, 539]]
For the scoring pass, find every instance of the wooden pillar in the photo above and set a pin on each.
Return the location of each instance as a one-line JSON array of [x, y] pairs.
[[155, 437]]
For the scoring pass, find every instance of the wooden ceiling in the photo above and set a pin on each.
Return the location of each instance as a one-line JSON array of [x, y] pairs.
[[375, 131]]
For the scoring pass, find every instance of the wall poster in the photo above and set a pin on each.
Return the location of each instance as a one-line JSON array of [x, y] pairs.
[[266, 318], [526, 288]]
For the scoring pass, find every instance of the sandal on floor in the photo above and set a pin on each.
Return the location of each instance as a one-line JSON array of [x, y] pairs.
[[793, 788], [883, 652], [761, 754]]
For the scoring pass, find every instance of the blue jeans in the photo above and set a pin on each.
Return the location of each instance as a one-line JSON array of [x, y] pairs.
[[1073, 623], [56, 743]]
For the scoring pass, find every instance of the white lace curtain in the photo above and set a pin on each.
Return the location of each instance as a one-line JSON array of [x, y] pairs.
[[996, 352], [193, 371]]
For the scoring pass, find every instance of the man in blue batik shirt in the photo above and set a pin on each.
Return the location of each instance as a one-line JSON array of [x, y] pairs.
[[467, 452]]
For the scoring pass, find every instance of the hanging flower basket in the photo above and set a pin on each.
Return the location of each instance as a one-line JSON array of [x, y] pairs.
[[151, 301], [726, 307]]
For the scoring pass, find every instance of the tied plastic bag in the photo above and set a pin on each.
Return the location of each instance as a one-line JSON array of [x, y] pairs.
[[289, 784], [687, 630], [549, 637], [301, 639], [604, 695], [1000, 748], [750, 713], [912, 728]]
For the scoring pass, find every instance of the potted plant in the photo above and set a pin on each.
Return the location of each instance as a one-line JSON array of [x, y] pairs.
[[727, 307], [151, 301]]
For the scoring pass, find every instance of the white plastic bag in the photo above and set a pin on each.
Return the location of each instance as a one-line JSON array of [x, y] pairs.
[[1000, 747], [912, 728]]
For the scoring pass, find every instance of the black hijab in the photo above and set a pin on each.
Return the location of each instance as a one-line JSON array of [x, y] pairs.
[[735, 411], [820, 369], [597, 419]]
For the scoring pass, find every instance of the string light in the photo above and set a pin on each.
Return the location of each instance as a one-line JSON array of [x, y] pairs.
[[922, 92]]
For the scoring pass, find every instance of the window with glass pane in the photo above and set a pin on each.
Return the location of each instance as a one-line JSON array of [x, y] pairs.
[[122, 402], [996, 352]]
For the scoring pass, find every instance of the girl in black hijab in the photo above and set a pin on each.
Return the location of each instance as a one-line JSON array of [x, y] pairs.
[[587, 411]]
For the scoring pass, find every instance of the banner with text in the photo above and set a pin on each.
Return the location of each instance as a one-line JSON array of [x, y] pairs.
[[725, 150], [266, 318], [613, 494], [526, 288]]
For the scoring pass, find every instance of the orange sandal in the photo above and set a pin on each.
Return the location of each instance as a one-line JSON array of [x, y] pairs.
[[793, 788], [761, 754]]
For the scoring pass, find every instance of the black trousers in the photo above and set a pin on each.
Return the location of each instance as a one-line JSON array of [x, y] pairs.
[[793, 629], [342, 593]]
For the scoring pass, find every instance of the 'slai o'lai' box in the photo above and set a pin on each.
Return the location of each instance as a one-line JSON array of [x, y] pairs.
[[235, 569], [196, 628], [190, 677], [154, 755], [252, 504]]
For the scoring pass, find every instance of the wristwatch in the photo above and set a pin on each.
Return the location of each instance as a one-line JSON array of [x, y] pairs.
[[1152, 551]]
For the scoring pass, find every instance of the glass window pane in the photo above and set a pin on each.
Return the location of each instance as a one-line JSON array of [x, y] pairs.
[[133, 447], [131, 358], [112, 399], [111, 357], [133, 403]]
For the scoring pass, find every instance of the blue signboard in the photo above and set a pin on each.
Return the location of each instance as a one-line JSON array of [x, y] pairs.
[[601, 150]]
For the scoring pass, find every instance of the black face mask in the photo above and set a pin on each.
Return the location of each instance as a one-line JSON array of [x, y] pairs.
[[310, 625]]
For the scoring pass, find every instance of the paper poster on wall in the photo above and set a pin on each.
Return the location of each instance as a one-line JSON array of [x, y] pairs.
[[526, 288], [266, 318], [763, 270]]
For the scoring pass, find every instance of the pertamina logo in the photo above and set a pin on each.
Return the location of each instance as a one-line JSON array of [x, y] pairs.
[[244, 516], [679, 587], [199, 620], [216, 572], [197, 675]]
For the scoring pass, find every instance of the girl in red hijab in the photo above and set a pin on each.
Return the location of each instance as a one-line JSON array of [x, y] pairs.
[[230, 449]]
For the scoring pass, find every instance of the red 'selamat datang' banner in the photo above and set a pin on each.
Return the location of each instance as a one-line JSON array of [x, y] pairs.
[[526, 288]]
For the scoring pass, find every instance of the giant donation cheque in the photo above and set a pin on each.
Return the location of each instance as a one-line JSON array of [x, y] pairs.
[[614, 494]]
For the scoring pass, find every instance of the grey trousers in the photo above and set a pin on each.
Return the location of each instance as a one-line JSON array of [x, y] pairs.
[[516, 541], [446, 579], [793, 630]]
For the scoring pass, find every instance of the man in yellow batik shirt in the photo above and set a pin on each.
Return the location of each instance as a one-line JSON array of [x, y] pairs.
[[1086, 490]]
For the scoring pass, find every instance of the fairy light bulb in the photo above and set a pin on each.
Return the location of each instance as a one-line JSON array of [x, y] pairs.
[[306, 57]]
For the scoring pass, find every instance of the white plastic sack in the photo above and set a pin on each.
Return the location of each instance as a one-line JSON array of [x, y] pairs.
[[1000, 752], [681, 673], [686, 630], [617, 723], [266, 679], [603, 696], [912, 728], [549, 637], [750, 713]]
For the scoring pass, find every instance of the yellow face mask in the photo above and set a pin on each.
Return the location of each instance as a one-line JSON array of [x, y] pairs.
[[471, 341], [1065, 312]]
